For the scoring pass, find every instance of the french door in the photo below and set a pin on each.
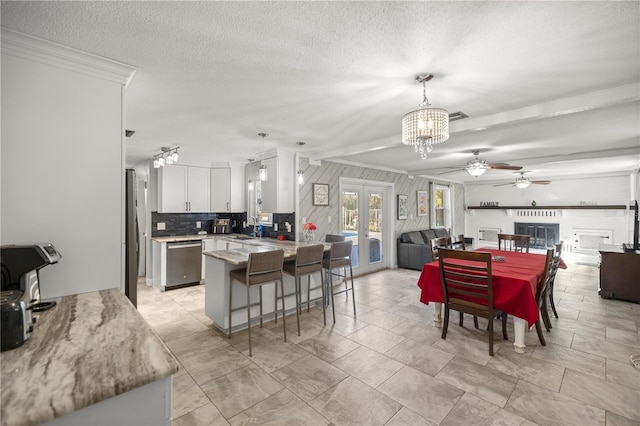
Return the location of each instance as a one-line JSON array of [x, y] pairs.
[[364, 219]]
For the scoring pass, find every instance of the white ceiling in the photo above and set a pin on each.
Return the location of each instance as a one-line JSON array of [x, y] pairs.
[[550, 86]]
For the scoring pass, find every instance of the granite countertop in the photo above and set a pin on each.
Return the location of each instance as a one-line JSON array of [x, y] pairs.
[[88, 348], [177, 238], [240, 256]]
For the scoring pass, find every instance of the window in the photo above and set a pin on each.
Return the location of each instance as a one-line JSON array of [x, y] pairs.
[[441, 210]]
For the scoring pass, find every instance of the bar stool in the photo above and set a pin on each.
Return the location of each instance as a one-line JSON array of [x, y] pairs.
[[308, 261], [262, 268], [340, 257]]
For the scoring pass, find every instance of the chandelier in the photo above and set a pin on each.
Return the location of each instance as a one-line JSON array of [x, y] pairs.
[[425, 127], [263, 167], [167, 156]]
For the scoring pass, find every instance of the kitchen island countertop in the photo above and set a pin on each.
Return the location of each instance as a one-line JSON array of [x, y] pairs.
[[239, 256], [88, 348]]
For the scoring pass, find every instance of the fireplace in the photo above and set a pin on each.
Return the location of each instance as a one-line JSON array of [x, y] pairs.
[[543, 235]]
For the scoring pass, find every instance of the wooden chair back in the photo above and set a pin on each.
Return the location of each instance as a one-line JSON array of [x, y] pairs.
[[439, 243], [513, 242]]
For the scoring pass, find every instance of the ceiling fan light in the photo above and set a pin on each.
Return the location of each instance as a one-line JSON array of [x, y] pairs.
[[476, 171], [522, 183]]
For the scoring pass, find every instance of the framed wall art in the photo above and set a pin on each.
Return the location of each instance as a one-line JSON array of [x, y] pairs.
[[423, 203], [320, 194], [402, 207]]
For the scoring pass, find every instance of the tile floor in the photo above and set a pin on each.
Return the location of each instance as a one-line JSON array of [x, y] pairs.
[[389, 365]]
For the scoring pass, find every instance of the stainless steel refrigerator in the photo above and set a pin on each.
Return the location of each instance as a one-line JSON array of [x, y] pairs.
[[132, 245]]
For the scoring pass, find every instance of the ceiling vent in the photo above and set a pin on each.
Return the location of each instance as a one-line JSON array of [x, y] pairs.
[[453, 116], [129, 133]]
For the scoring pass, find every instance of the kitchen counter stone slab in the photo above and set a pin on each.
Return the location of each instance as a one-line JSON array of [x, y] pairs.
[[86, 349], [240, 256]]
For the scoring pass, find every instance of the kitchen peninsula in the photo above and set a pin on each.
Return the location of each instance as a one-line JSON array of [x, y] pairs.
[[92, 359], [219, 263]]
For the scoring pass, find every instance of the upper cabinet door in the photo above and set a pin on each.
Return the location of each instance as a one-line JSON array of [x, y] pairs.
[[172, 185], [220, 190], [198, 189]]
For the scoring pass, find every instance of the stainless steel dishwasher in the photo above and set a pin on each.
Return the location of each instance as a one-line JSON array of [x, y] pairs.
[[184, 263]]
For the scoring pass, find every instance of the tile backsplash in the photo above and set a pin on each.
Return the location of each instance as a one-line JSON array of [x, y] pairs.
[[185, 224]]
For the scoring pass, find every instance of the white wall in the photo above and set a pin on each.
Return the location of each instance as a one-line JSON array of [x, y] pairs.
[[62, 174], [602, 191]]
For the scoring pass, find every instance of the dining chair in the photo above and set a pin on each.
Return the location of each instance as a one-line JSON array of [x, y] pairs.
[[438, 243], [340, 257], [459, 242], [513, 242], [262, 268], [467, 287], [308, 262], [557, 253]]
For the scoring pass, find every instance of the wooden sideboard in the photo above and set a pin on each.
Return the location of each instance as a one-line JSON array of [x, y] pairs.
[[619, 273]]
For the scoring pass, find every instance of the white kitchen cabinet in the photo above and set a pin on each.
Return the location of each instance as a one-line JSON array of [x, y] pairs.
[[220, 190], [183, 189], [277, 190], [208, 244]]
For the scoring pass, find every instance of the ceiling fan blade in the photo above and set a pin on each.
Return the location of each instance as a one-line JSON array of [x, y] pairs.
[[504, 184], [541, 182], [504, 166], [451, 171]]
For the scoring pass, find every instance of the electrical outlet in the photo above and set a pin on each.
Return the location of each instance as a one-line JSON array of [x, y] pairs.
[[198, 224], [304, 220], [161, 226], [275, 227]]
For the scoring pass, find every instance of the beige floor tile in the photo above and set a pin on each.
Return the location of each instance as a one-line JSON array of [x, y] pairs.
[[551, 408], [281, 408], [308, 377], [240, 390], [367, 365], [353, 402], [613, 321], [580, 327], [612, 397], [271, 354], [483, 382], [428, 397], [376, 338], [328, 346], [176, 328], [542, 373], [631, 338], [471, 410], [421, 332], [406, 417], [599, 347], [381, 319], [207, 415], [344, 324], [204, 340], [571, 358], [616, 420], [467, 344], [418, 312], [209, 365], [422, 357], [186, 396], [623, 373]]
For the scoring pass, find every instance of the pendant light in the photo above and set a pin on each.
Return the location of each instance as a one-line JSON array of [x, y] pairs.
[[263, 167]]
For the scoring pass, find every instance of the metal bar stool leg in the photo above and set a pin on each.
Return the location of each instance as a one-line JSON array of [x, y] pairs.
[[298, 301], [353, 291], [324, 313], [230, 299], [249, 319], [333, 304], [284, 323]]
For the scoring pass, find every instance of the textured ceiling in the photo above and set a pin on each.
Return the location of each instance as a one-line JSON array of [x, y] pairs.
[[551, 86]]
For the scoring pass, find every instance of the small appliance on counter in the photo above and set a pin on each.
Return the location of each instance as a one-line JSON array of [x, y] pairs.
[[20, 289], [221, 226]]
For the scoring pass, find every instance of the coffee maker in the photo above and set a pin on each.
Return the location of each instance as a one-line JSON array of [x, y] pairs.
[[20, 289]]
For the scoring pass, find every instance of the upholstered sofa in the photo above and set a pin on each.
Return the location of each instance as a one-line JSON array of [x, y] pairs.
[[414, 248]]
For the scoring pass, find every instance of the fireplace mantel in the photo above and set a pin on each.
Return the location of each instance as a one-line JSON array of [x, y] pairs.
[[591, 207]]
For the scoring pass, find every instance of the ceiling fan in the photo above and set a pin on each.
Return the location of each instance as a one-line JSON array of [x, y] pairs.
[[523, 182], [477, 166]]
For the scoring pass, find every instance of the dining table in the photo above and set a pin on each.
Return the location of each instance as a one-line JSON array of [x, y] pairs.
[[515, 278]]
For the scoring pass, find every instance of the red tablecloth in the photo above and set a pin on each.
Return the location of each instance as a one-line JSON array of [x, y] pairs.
[[514, 283]]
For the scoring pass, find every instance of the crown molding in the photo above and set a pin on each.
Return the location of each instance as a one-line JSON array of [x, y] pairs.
[[45, 52]]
